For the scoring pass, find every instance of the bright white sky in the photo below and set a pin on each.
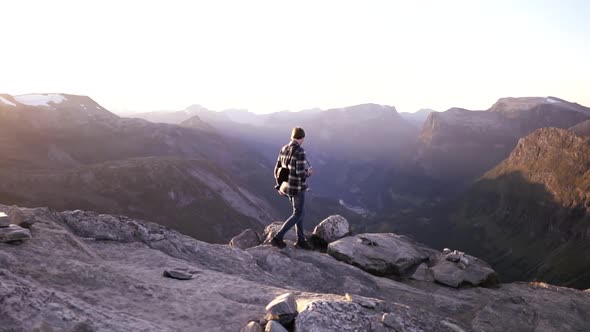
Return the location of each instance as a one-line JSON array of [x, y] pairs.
[[274, 55]]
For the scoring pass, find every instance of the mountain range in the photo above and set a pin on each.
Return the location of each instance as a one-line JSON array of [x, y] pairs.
[[452, 142], [340, 142], [453, 150], [529, 216], [68, 152], [469, 178]]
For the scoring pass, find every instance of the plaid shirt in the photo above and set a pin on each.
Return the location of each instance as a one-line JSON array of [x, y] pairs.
[[297, 168]]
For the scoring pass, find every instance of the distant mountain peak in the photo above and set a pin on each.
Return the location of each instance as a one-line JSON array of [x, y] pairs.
[[425, 110], [195, 108], [553, 100], [364, 111], [197, 123], [517, 104], [417, 118], [50, 100], [43, 99], [7, 100], [53, 109], [369, 107]]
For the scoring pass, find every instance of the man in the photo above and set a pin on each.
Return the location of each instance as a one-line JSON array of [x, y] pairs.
[[292, 157]]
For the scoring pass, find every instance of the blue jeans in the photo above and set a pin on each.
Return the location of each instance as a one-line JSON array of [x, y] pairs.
[[296, 219]]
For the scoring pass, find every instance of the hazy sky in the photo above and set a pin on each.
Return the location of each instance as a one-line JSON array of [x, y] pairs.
[[275, 55]]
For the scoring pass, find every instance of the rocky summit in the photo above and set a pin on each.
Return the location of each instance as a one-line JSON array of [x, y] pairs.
[[84, 271]]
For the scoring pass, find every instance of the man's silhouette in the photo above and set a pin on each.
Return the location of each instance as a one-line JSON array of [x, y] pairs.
[[292, 157]]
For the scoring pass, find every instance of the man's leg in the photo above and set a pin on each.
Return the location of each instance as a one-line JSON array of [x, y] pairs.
[[297, 202], [299, 224]]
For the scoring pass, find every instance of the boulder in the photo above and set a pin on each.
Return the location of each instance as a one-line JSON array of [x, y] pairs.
[[336, 315], [393, 321], [381, 254], [447, 273], [252, 327], [282, 305], [423, 273], [178, 274], [272, 229], [332, 228], [282, 309], [285, 320], [325, 315], [20, 217], [246, 239], [274, 326], [14, 233], [4, 221], [480, 273], [477, 273]]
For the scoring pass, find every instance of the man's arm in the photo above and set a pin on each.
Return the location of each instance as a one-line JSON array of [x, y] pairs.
[[278, 164], [300, 163]]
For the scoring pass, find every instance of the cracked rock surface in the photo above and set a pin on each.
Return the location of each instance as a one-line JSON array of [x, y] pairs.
[[83, 271]]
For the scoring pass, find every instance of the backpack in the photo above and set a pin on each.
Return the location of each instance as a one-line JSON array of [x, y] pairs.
[[282, 173]]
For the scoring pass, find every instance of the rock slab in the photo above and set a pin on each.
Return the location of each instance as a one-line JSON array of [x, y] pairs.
[[274, 326], [332, 228], [423, 273], [252, 327], [381, 254], [394, 322], [177, 274], [247, 239], [21, 218], [477, 273], [283, 305], [14, 233], [4, 221], [323, 316], [448, 273]]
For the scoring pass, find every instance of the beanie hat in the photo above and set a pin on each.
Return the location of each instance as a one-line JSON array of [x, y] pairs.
[[297, 133]]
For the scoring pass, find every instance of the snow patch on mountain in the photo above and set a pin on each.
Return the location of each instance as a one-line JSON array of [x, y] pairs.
[[40, 99], [7, 102]]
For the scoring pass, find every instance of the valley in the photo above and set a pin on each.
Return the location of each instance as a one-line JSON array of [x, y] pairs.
[[207, 174]]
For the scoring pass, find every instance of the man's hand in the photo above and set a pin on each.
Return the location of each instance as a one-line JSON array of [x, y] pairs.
[[309, 172]]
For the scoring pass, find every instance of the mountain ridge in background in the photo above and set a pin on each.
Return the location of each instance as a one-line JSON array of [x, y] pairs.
[[452, 140], [107, 163], [372, 165], [417, 118], [531, 212]]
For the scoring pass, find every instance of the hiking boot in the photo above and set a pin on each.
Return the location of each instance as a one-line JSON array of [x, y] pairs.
[[277, 243], [302, 245]]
